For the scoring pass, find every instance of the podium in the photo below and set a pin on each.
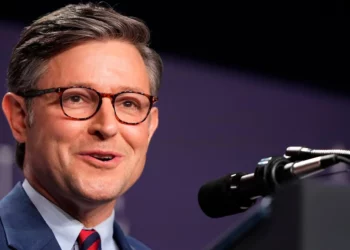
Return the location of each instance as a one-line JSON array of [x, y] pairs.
[[304, 215]]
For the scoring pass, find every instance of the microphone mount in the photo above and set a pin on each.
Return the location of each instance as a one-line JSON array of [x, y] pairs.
[[303, 153]]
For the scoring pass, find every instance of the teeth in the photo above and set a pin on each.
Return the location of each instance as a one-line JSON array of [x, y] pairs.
[[103, 157]]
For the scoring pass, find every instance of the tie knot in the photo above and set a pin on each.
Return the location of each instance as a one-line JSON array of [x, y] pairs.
[[89, 240]]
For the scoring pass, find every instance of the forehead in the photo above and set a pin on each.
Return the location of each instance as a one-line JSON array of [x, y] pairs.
[[107, 66]]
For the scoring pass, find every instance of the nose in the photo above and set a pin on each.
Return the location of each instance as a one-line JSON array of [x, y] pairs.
[[104, 123]]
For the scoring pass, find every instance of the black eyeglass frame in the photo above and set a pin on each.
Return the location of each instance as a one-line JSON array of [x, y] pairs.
[[39, 92]]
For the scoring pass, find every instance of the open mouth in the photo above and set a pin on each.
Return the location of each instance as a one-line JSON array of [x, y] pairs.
[[103, 157]]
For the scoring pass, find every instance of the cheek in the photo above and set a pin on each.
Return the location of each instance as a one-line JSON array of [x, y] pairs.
[[69, 131], [54, 125], [56, 134], [62, 138], [135, 136]]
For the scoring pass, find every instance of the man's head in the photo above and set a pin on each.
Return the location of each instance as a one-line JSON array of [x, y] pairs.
[[95, 47]]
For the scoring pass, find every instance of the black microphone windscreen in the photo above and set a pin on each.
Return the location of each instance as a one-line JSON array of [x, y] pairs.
[[217, 199]]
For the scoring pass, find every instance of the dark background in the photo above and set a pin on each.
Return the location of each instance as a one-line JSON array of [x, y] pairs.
[[304, 41], [224, 119]]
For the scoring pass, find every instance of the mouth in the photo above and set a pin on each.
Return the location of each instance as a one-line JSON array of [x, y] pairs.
[[104, 158]]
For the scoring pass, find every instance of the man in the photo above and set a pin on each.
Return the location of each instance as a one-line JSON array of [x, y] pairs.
[[82, 86]]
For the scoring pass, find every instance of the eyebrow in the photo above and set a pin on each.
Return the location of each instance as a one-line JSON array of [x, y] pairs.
[[119, 88]]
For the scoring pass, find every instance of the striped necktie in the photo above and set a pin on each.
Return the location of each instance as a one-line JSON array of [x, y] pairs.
[[89, 240]]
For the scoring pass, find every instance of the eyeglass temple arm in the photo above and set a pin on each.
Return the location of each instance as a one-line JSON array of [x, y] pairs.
[[37, 92]]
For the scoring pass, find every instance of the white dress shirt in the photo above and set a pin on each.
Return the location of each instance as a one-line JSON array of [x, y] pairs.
[[65, 228]]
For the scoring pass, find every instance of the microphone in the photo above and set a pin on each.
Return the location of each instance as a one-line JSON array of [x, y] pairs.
[[235, 193]]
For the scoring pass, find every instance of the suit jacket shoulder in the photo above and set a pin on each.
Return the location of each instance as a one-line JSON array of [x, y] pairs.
[[136, 244], [22, 227]]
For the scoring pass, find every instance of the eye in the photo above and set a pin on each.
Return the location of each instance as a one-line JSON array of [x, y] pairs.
[[75, 98], [128, 101], [79, 96], [129, 104]]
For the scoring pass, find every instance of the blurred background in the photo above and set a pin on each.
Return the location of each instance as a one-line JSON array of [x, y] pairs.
[[242, 80]]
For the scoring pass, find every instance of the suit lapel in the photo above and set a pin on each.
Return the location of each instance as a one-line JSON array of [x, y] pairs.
[[120, 238], [24, 227]]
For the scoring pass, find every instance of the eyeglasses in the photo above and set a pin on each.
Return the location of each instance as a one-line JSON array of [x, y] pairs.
[[82, 103]]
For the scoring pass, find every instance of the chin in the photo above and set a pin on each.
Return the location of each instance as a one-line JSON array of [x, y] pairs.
[[98, 191], [99, 196]]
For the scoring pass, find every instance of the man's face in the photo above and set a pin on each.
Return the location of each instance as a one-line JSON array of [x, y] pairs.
[[60, 153]]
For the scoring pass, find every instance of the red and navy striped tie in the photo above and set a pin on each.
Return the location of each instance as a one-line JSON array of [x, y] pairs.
[[89, 240]]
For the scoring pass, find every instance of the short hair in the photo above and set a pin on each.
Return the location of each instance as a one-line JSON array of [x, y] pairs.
[[65, 28]]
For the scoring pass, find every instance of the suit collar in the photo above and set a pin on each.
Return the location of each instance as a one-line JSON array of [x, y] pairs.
[[23, 225]]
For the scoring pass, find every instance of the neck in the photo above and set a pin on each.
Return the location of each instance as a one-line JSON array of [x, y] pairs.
[[88, 216], [89, 213]]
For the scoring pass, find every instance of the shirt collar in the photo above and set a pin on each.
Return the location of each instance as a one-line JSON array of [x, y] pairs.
[[65, 228]]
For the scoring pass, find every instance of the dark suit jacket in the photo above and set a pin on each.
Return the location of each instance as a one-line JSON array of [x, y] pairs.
[[23, 228]]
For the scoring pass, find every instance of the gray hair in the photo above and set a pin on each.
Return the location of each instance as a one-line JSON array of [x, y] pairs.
[[65, 28]]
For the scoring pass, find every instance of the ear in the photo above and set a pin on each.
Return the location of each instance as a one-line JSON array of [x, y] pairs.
[[153, 122], [15, 111]]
